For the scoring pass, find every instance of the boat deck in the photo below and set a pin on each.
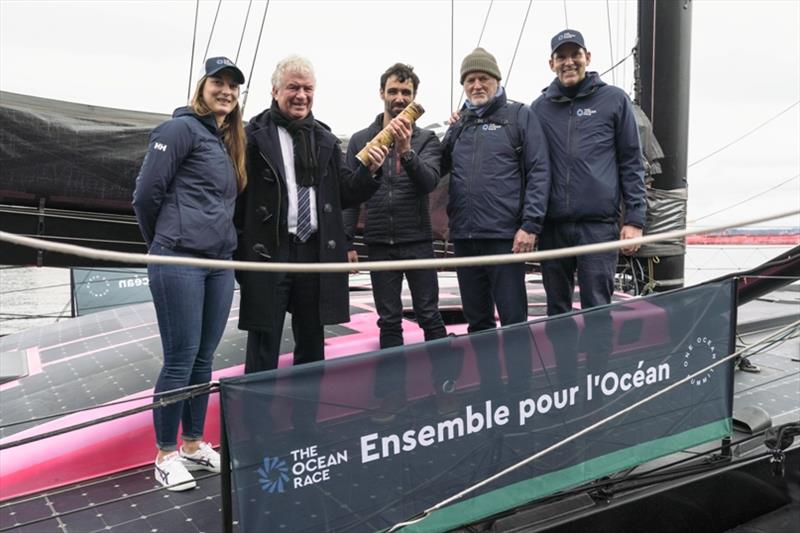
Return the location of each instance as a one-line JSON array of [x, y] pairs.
[[131, 501]]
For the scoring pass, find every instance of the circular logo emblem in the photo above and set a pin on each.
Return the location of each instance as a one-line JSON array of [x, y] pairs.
[[97, 285], [700, 353], [273, 475]]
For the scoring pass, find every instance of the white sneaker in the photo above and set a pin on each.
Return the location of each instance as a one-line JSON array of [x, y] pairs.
[[205, 458], [172, 473]]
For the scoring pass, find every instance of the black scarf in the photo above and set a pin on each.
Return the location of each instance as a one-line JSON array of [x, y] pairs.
[[302, 132]]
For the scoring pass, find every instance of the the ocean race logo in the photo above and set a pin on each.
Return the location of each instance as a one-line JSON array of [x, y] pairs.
[[588, 112], [308, 467], [273, 475]]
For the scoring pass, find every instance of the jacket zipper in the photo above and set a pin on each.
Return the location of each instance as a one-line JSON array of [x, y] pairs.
[[390, 181], [570, 152], [476, 160]]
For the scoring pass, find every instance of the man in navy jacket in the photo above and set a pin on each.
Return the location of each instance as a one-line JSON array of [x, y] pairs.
[[499, 184], [597, 170], [597, 180]]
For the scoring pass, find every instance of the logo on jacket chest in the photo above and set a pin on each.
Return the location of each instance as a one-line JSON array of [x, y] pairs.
[[491, 127], [585, 112]]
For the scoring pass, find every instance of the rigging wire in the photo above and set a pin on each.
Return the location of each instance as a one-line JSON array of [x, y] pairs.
[[718, 150], [241, 39], [519, 39], [625, 40], [213, 25], [610, 42], [155, 396], [194, 41], [752, 197], [452, 49], [618, 63], [480, 38], [255, 55], [566, 18]]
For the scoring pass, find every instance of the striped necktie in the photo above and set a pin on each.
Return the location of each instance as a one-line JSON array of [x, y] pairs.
[[303, 230]]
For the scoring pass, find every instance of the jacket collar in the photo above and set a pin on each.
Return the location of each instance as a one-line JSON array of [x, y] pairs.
[[590, 84], [206, 120], [264, 132]]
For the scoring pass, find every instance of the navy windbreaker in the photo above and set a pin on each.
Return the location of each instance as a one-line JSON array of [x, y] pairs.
[[595, 155], [186, 189], [489, 198]]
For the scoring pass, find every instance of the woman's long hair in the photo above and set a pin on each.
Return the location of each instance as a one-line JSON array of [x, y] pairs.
[[232, 132]]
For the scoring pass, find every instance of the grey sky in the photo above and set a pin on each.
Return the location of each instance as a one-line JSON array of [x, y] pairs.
[[135, 55]]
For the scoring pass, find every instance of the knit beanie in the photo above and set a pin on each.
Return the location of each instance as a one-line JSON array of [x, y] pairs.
[[480, 61]]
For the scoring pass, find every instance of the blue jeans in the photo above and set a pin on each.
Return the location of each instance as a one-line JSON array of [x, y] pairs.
[[192, 306]]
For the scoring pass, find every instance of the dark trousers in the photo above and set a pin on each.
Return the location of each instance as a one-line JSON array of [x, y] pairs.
[[482, 288], [386, 292], [297, 294], [595, 274], [192, 306]]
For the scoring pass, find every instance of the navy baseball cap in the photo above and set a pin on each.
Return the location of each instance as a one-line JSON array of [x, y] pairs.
[[564, 37], [215, 64]]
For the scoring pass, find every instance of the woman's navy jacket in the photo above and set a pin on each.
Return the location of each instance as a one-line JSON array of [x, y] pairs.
[[186, 189]]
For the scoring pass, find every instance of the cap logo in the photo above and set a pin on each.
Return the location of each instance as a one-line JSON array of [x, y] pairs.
[[224, 62], [566, 35]]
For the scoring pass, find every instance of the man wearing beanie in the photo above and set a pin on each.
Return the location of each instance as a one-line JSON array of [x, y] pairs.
[[597, 176], [499, 185]]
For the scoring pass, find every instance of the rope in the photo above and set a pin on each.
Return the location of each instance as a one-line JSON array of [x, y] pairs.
[[194, 40], [501, 259], [583, 432], [718, 150], [566, 19], [255, 55], [213, 25], [519, 39], [241, 39]]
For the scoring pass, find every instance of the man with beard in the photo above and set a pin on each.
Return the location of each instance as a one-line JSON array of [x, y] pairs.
[[291, 211], [398, 226]]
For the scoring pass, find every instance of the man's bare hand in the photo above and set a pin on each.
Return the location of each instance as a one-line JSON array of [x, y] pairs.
[[523, 242], [376, 156], [352, 257], [455, 117], [400, 127], [630, 232]]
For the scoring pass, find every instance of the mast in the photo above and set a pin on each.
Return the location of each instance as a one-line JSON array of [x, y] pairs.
[[665, 29]]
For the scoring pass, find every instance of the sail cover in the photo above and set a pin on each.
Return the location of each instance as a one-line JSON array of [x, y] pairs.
[[70, 156]]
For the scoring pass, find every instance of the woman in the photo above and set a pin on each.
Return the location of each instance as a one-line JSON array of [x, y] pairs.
[[184, 202]]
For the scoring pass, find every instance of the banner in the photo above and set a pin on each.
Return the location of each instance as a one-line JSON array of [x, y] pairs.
[[364, 442], [97, 289]]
